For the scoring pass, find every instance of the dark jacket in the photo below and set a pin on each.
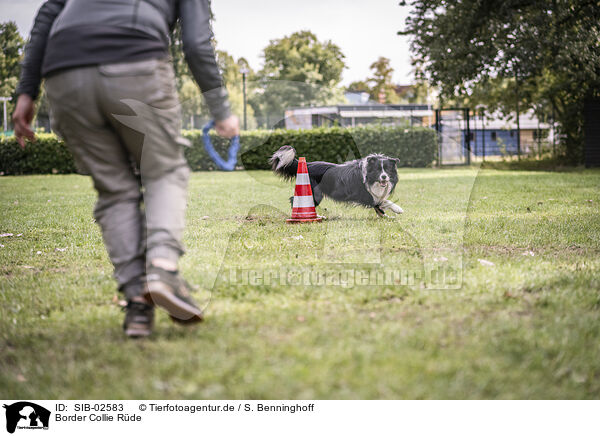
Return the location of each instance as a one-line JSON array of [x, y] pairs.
[[74, 33]]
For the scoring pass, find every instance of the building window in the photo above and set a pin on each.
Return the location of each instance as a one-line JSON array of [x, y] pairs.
[[512, 133], [493, 136]]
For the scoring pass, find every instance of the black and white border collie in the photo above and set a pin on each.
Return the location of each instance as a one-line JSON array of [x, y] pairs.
[[368, 181]]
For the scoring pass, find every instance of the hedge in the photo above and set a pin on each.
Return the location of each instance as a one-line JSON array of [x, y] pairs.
[[416, 147]]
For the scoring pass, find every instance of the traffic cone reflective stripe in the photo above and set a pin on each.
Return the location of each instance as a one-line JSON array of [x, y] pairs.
[[305, 202], [304, 213], [302, 178], [303, 206]]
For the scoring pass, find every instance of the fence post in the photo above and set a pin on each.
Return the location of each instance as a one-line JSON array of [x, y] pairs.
[[482, 134], [437, 129], [518, 120], [553, 134], [468, 138]]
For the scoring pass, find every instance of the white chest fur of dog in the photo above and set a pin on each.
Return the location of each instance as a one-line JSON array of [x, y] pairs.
[[378, 192]]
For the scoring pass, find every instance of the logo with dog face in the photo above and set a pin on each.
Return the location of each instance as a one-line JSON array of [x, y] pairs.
[[26, 415]]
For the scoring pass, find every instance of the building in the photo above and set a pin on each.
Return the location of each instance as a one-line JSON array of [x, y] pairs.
[[354, 115], [497, 137], [489, 136]]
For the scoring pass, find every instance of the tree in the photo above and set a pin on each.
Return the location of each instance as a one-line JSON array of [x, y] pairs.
[[301, 57], [182, 72], [232, 78], [192, 104], [535, 52], [11, 54], [382, 88], [298, 71], [417, 93], [190, 96], [359, 86]]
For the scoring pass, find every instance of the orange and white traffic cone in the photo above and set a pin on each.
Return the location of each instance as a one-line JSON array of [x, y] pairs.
[[303, 206]]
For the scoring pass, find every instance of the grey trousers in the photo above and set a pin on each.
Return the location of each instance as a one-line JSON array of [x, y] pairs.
[[122, 123]]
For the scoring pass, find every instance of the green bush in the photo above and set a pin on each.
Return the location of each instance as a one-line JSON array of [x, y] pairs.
[[48, 154], [416, 147]]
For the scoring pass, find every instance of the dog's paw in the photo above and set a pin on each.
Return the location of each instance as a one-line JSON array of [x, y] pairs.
[[396, 209]]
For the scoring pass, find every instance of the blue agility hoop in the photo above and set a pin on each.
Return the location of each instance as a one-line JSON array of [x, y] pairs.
[[234, 147]]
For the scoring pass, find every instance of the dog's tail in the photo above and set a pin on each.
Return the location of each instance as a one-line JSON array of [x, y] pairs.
[[284, 162]]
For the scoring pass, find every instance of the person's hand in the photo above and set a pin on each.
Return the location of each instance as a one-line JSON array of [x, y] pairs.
[[22, 117], [229, 127]]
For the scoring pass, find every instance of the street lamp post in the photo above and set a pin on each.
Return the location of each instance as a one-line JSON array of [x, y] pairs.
[[4, 100], [244, 70]]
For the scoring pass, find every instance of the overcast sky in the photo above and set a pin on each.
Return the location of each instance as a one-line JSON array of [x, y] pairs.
[[364, 30]]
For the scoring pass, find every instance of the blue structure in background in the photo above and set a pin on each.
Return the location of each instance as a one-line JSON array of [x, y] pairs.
[[497, 142]]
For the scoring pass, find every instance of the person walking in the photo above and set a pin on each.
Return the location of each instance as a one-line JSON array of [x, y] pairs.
[[113, 99]]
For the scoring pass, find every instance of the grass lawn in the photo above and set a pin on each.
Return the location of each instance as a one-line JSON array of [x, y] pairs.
[[518, 316]]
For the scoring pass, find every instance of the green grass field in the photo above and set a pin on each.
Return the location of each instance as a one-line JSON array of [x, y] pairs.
[[519, 318]]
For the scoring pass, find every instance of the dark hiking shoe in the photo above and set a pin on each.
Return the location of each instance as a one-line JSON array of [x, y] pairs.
[[168, 290], [139, 319]]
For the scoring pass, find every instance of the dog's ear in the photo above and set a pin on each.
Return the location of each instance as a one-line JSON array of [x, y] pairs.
[[396, 160]]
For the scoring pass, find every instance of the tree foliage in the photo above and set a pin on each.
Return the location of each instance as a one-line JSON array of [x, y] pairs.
[[359, 86], [382, 86], [300, 57], [299, 70], [233, 80], [11, 53], [546, 54]]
